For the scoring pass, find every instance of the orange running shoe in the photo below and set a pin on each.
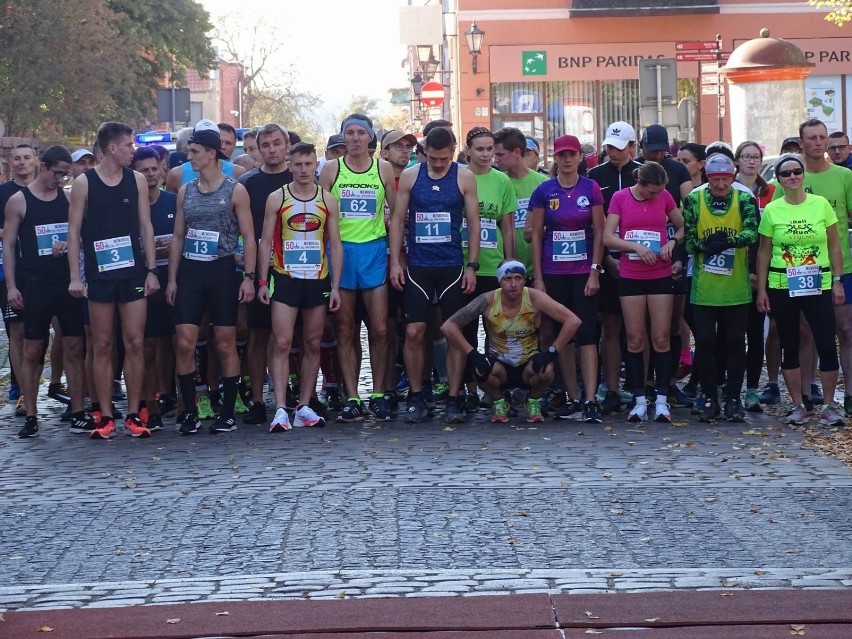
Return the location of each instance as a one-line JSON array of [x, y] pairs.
[[134, 427], [143, 415], [105, 429]]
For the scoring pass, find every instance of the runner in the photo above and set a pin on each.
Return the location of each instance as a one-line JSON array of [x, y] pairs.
[[110, 222], [213, 210], [511, 315], [301, 220], [184, 173], [362, 185], [433, 198], [37, 226]]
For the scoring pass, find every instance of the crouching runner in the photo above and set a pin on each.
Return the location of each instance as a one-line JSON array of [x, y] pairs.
[[511, 316]]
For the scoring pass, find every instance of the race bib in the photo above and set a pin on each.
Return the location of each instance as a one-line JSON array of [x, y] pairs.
[[721, 263], [302, 255], [358, 204], [160, 240], [804, 280], [521, 212], [649, 239], [114, 253], [569, 246], [47, 234], [432, 228], [201, 245], [487, 233]]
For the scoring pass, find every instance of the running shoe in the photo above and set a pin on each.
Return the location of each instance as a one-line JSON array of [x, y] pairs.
[[352, 412], [82, 424], [402, 385], [393, 402], [698, 405], [847, 405], [223, 425], [711, 412], [20, 407], [167, 405], [416, 410], [499, 411], [771, 394], [143, 415], [534, 415], [611, 403], [333, 399], [816, 394], [638, 414], [378, 406], [455, 411], [752, 401], [429, 396], [317, 406], [204, 408], [513, 410], [134, 426], [797, 416], [307, 418], [155, 422], [117, 414], [734, 411], [440, 392], [281, 422], [14, 392], [190, 424], [592, 412], [572, 410], [59, 392], [117, 392], [471, 403], [557, 399], [256, 414], [239, 406], [662, 413], [808, 403], [677, 398], [30, 428], [690, 390], [66, 414], [830, 416], [105, 430], [291, 396]]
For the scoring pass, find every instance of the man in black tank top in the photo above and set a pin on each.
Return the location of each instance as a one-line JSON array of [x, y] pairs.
[[110, 224], [37, 225]]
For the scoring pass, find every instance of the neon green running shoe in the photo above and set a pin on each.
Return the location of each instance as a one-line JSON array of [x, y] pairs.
[[239, 406], [534, 410], [205, 409], [500, 411]]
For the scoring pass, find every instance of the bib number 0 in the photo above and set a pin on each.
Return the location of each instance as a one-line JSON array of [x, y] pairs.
[[487, 233]]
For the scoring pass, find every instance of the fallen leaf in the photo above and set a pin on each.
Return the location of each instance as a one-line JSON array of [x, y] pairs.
[[172, 620], [591, 616], [224, 613], [130, 485], [653, 620], [511, 542], [341, 594], [449, 428], [45, 629], [606, 475], [590, 631], [727, 594], [522, 513]]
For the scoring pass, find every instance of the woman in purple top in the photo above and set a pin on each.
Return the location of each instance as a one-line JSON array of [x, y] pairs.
[[636, 226], [567, 220]]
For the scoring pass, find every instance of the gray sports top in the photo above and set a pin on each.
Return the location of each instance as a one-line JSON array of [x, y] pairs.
[[206, 214]]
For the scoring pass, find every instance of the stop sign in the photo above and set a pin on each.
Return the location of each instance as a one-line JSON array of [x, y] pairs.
[[432, 94]]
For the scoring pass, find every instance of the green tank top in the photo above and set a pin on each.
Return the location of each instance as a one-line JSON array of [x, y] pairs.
[[362, 203]]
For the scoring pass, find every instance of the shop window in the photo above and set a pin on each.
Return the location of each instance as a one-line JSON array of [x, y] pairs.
[[633, 8], [619, 101]]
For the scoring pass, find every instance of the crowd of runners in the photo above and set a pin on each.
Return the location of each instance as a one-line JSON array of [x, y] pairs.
[[201, 282]]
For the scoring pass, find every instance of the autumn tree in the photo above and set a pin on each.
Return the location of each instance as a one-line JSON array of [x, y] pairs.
[[841, 10]]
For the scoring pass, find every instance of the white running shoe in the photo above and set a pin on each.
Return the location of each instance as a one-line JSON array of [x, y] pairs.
[[639, 413], [281, 422], [305, 417], [662, 413]]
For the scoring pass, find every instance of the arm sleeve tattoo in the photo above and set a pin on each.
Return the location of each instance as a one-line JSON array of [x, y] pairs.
[[466, 315]]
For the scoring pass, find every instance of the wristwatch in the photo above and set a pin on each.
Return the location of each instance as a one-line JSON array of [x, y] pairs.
[[552, 350], [598, 268], [249, 275], [152, 271], [473, 265], [837, 278]]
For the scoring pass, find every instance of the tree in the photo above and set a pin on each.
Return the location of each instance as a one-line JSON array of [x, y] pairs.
[[290, 109], [361, 104], [841, 10]]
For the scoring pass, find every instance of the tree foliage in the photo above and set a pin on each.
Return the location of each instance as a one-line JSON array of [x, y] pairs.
[[841, 10], [66, 71]]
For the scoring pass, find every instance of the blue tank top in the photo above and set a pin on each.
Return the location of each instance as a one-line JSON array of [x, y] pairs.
[[188, 175], [435, 214]]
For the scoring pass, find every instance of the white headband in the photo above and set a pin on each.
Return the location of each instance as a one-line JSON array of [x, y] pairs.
[[512, 266]]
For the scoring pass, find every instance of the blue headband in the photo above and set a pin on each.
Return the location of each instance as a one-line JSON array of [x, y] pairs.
[[512, 266], [358, 122]]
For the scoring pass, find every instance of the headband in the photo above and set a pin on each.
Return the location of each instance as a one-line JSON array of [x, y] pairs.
[[358, 122], [512, 266], [788, 157]]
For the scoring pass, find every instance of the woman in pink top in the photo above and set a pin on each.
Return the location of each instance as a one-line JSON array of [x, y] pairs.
[[636, 226]]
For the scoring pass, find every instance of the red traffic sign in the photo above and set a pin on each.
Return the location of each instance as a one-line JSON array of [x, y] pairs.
[[701, 56], [432, 94], [693, 45]]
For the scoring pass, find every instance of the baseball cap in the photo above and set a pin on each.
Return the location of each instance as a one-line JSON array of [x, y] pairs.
[[566, 143], [395, 135], [790, 141], [719, 164], [335, 140], [655, 138], [79, 154], [532, 145], [205, 136], [619, 135], [206, 125]]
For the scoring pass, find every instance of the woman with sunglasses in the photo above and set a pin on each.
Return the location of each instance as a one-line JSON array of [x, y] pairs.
[[799, 268]]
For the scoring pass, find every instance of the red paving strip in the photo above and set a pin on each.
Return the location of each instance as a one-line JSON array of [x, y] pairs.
[[811, 631], [518, 613], [461, 634], [704, 608]]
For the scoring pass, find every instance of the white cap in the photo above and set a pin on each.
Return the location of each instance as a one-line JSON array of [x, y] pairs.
[[619, 135], [206, 125], [79, 154]]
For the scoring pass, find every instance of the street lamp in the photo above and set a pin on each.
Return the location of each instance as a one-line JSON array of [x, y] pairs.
[[417, 84], [474, 37], [424, 52]]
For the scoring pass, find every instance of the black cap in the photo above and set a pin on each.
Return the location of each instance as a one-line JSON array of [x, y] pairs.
[[655, 138], [789, 141], [211, 140]]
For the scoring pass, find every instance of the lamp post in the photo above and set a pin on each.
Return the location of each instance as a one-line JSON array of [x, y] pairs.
[[474, 37]]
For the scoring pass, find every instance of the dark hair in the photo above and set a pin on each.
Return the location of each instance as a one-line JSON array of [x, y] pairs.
[[303, 148], [162, 151], [109, 132], [810, 122], [439, 138], [510, 139], [435, 124], [96, 149], [224, 126], [251, 133], [699, 151], [358, 116], [762, 186], [651, 173], [294, 137], [54, 155], [837, 135], [24, 146], [144, 153], [477, 131]]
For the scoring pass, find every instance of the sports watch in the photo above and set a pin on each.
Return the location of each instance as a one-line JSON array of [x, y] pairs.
[[473, 265]]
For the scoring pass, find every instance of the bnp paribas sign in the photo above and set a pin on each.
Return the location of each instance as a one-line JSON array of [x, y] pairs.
[[534, 63]]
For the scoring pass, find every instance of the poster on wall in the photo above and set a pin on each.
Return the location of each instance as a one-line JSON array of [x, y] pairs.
[[823, 97]]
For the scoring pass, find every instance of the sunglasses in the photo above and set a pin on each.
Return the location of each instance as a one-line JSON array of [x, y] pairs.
[[786, 174]]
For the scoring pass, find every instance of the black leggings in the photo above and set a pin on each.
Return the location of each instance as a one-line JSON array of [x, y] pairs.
[[721, 328], [754, 335], [819, 313]]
